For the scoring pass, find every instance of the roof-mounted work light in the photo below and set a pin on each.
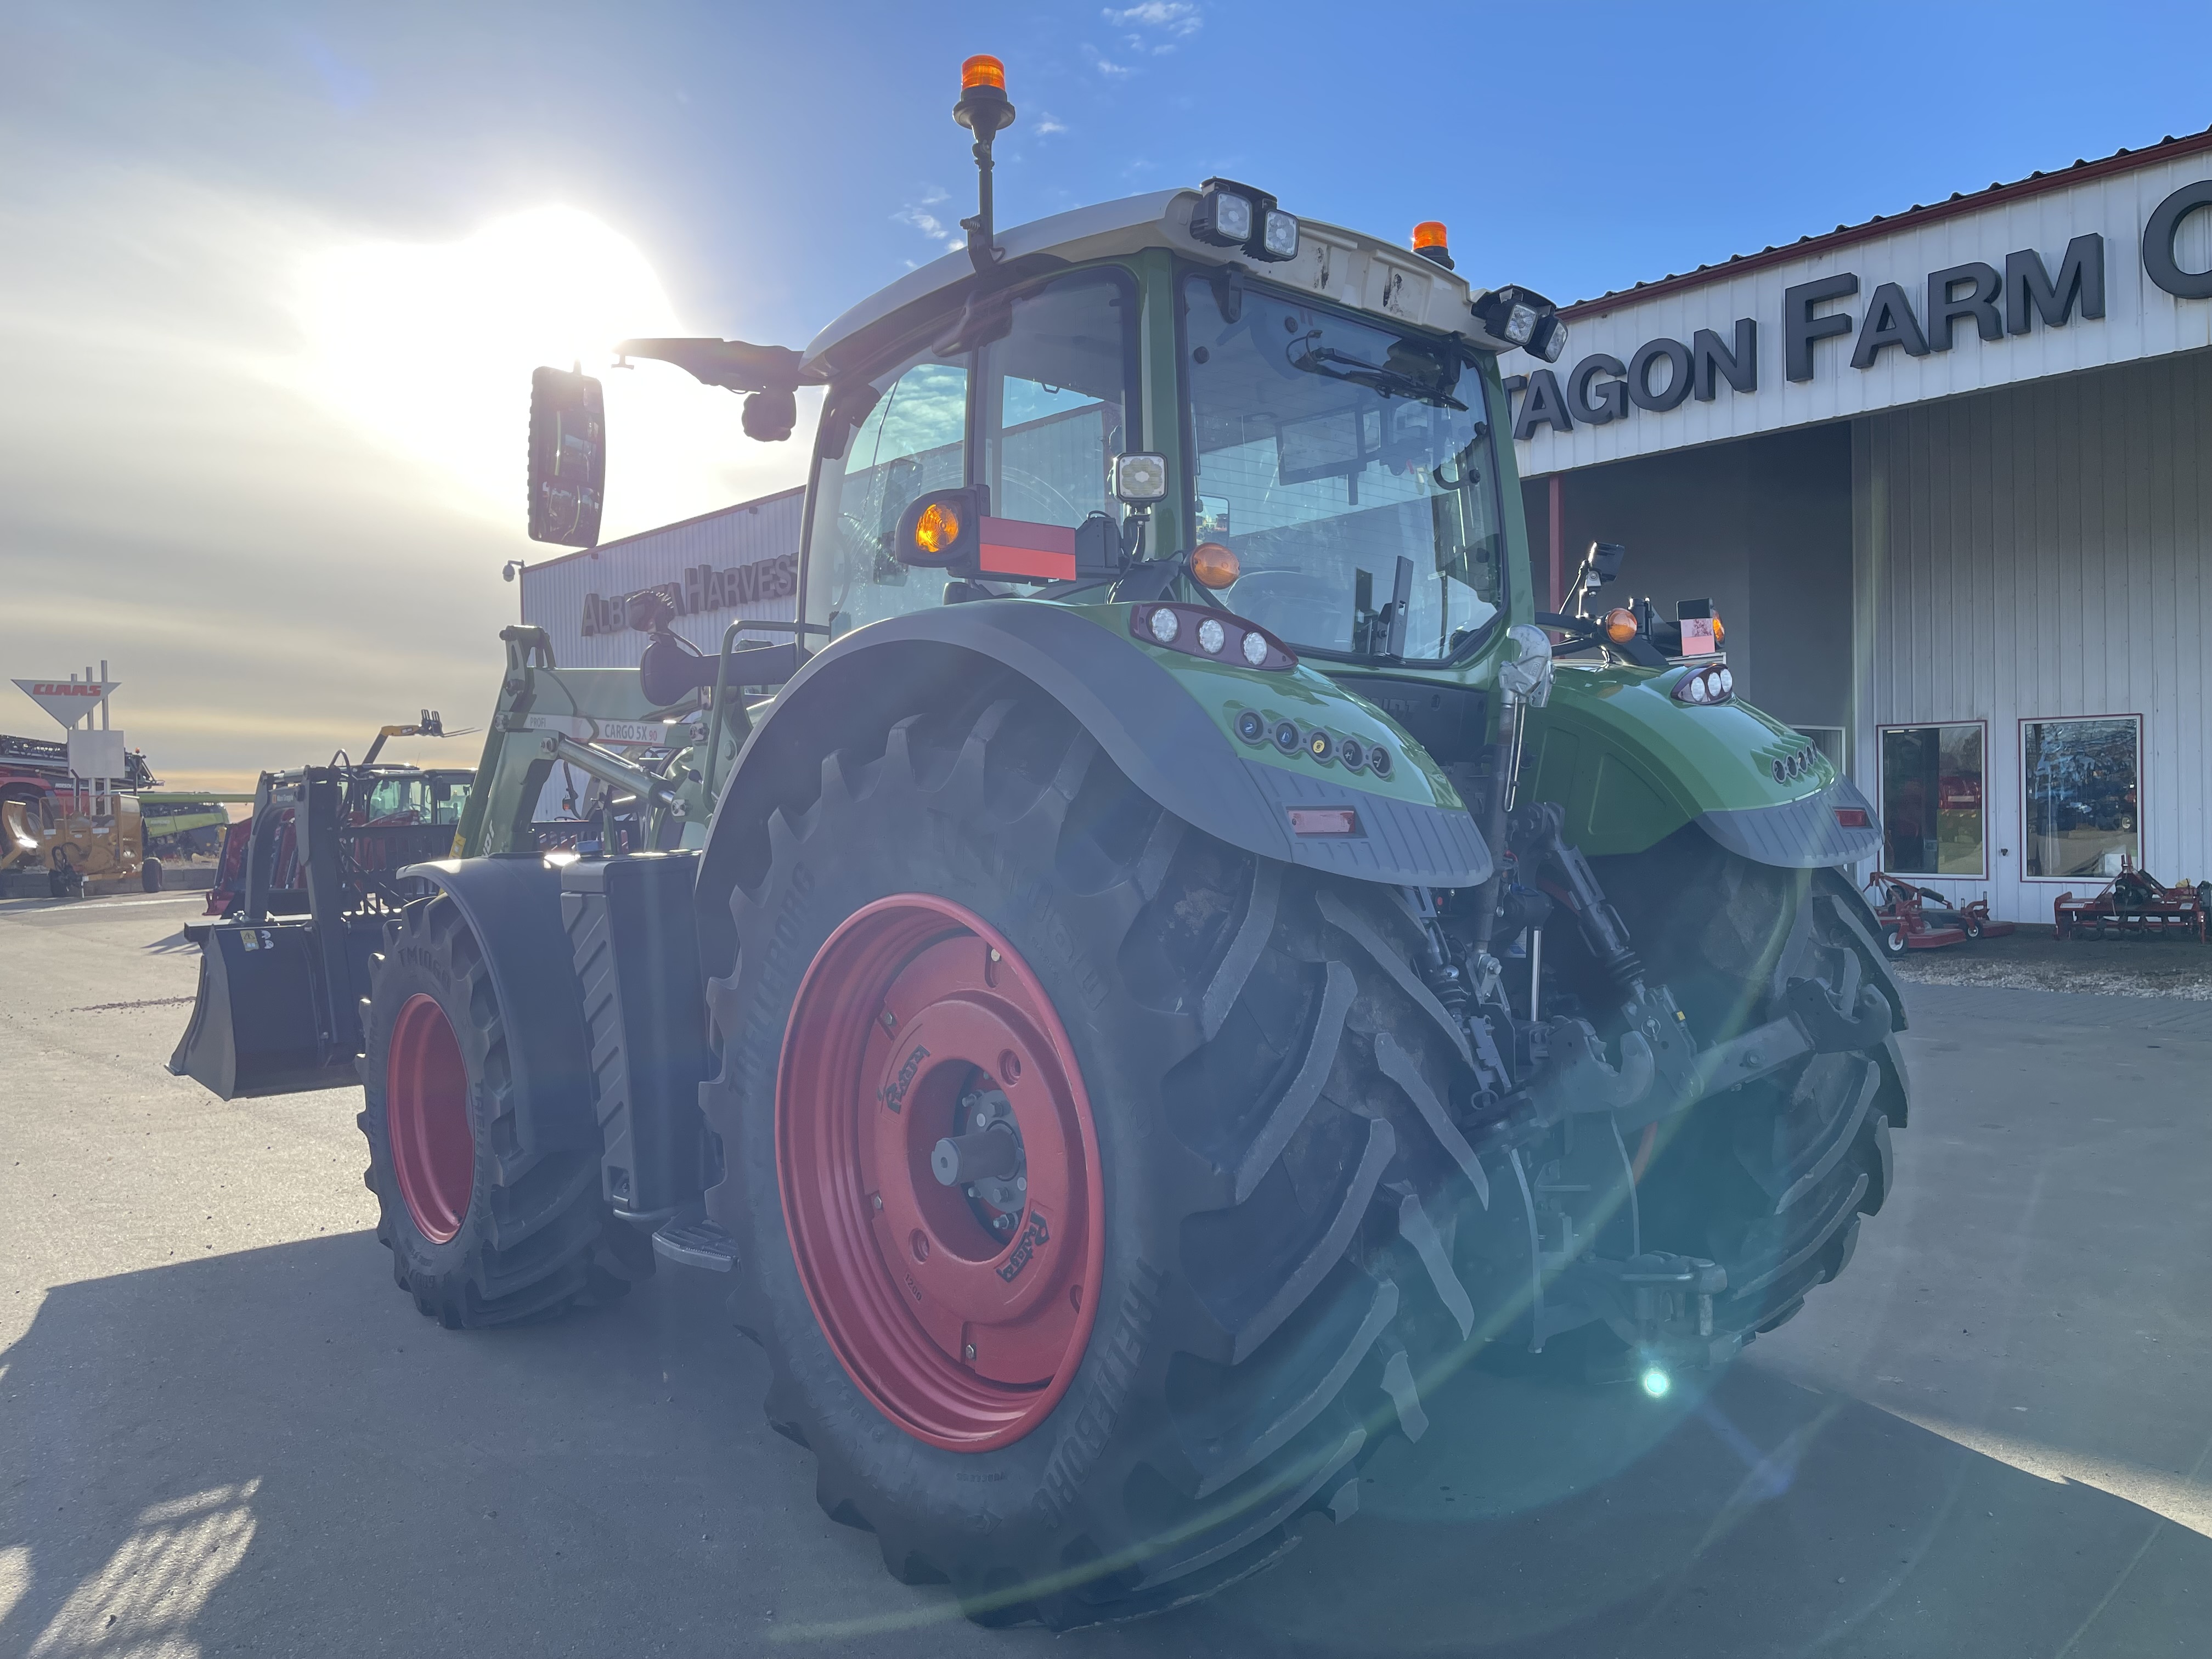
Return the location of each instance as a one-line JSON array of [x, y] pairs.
[[1230, 214], [1510, 313], [1516, 316]]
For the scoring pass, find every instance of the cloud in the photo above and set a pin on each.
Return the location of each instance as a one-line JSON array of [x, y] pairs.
[[1106, 66], [1174, 17], [916, 214], [1046, 125]]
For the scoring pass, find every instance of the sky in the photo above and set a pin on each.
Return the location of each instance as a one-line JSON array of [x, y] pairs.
[[273, 277]]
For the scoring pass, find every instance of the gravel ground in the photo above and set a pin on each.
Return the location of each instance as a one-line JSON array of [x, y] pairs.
[[2033, 959]]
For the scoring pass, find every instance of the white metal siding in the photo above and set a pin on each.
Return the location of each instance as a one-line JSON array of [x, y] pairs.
[[2040, 551], [2141, 321], [553, 593]]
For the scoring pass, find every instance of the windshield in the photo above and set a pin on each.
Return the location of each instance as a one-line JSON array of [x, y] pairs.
[[1338, 457]]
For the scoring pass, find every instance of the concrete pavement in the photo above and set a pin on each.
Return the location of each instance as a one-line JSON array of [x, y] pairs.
[[222, 1431]]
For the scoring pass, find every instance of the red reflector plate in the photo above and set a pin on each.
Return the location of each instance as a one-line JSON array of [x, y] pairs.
[[1853, 817], [1324, 821], [1014, 547]]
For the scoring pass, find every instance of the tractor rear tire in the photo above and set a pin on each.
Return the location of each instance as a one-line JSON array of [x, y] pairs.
[[1251, 1063], [1769, 1179], [482, 1231]]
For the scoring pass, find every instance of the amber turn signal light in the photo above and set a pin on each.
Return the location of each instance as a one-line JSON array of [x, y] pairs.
[[1213, 565], [1720, 633], [1621, 625], [937, 529]]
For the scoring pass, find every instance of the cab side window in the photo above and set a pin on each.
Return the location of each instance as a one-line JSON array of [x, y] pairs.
[[1026, 394], [909, 439], [1053, 399]]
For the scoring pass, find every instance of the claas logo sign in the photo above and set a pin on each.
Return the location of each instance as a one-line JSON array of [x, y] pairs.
[[67, 700]]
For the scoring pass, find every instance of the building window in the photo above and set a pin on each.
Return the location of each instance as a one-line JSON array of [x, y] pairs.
[[1931, 799], [2084, 783]]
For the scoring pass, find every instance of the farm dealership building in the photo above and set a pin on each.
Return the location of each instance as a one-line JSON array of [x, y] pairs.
[[1946, 477]]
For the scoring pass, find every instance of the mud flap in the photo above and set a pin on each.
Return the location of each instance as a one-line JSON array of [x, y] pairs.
[[254, 1028]]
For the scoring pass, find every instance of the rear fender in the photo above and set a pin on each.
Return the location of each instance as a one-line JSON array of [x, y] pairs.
[[1167, 720]]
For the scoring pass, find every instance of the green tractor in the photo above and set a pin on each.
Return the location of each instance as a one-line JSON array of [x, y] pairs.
[[1171, 960]]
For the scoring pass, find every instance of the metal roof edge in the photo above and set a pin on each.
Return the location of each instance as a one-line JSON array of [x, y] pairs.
[[2035, 183], [661, 529]]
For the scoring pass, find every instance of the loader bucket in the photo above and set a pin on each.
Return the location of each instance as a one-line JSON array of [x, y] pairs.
[[254, 1028]]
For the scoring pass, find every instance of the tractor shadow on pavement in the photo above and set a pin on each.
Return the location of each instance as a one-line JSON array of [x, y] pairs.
[[272, 1452]]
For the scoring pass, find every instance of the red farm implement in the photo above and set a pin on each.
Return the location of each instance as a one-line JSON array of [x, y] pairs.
[[1917, 918], [2135, 905]]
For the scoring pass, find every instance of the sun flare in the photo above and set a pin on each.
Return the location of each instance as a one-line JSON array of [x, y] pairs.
[[426, 349]]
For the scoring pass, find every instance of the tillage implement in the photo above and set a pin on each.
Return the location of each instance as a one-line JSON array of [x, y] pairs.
[[1168, 960]]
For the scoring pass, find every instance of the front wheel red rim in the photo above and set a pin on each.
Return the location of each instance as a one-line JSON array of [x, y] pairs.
[[426, 1098], [961, 1311]]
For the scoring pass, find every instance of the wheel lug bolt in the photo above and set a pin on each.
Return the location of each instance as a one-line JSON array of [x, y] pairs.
[[968, 1352]]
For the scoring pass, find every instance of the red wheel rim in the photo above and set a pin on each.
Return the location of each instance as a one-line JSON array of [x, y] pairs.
[[964, 1337], [425, 1103]]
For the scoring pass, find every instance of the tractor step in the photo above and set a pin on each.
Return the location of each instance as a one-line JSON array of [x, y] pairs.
[[696, 1245]]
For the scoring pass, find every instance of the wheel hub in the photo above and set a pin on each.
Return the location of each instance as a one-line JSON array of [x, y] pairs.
[[426, 1099], [939, 1172]]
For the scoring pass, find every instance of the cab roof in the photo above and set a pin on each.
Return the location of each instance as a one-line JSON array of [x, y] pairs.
[[1341, 266]]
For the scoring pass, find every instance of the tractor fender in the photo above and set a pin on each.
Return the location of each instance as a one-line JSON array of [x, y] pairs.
[[1631, 766], [512, 903], [1165, 728]]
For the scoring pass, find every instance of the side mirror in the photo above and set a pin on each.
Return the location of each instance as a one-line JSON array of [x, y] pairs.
[[567, 458]]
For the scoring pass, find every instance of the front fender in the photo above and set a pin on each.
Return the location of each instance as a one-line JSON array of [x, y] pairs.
[[1631, 766], [1166, 720], [512, 903]]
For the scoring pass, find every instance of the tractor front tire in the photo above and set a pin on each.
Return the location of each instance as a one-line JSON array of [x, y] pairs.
[[1234, 1266], [482, 1231], [1770, 1179]]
